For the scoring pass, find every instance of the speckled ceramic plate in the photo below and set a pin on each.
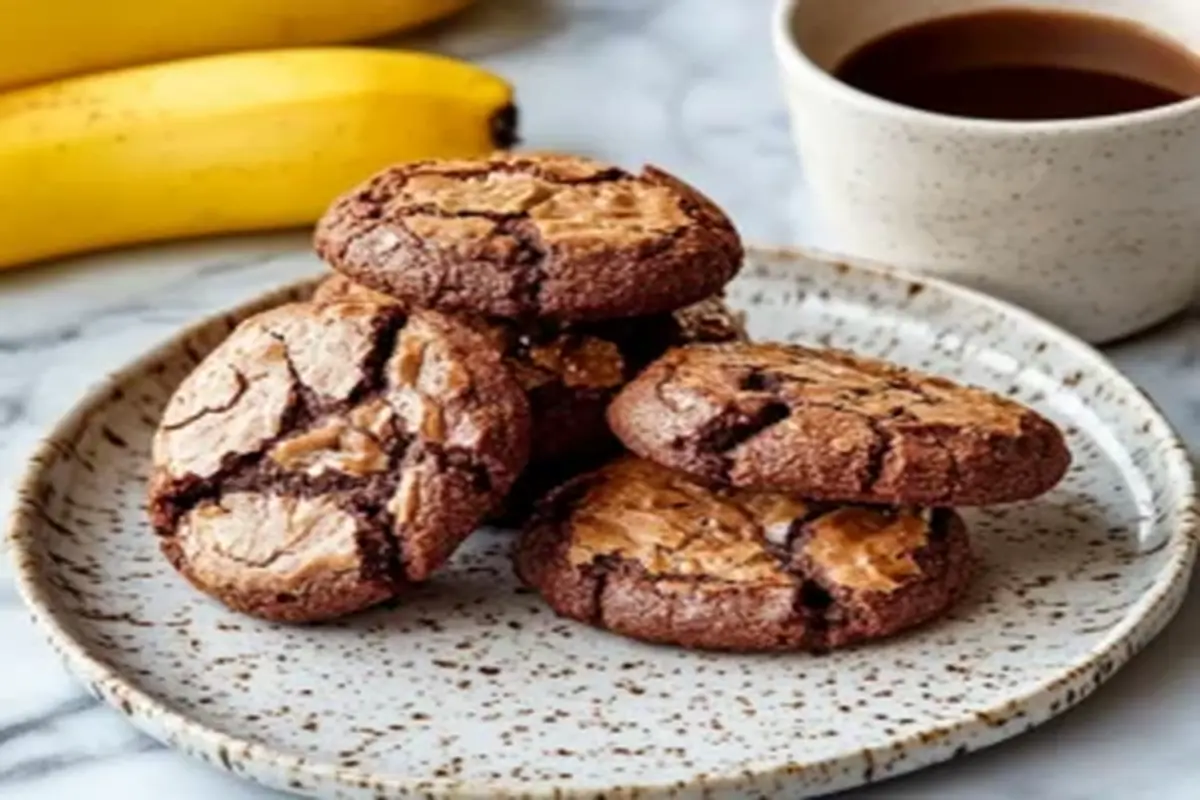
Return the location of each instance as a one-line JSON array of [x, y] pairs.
[[472, 688]]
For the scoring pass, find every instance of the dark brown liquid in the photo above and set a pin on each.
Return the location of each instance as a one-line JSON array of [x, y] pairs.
[[1025, 64]]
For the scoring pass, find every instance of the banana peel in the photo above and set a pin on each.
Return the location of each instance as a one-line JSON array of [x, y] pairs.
[[47, 39], [224, 144]]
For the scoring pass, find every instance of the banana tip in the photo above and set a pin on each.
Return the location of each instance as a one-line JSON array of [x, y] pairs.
[[504, 127]]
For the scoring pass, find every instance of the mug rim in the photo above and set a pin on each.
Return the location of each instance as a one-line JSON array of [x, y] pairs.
[[793, 59]]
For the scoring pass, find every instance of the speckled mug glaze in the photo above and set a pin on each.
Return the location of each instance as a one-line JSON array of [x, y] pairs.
[[1094, 223], [470, 687]]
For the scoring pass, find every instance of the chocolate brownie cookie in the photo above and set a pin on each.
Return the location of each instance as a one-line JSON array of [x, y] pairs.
[[325, 455], [646, 552], [834, 426], [571, 372], [531, 236]]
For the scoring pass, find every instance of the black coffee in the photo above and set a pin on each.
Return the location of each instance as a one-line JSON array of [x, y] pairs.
[[1025, 64]]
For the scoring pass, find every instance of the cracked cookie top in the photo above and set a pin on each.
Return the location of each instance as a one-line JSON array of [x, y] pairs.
[[536, 354], [831, 425], [598, 355], [522, 235], [321, 441], [675, 528], [735, 568], [570, 371]]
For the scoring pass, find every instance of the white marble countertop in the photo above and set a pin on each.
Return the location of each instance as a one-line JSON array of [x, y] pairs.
[[690, 85]]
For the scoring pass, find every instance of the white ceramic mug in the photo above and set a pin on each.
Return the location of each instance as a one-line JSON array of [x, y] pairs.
[[1093, 223]]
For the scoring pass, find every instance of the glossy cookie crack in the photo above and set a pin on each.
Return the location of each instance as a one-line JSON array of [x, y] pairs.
[[570, 372]]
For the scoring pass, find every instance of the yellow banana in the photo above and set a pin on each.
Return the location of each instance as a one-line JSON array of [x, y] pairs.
[[241, 142], [44, 39]]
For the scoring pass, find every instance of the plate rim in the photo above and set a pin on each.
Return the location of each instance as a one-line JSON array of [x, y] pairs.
[[253, 760]]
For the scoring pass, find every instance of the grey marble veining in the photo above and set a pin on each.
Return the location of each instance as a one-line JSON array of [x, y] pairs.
[[690, 85]]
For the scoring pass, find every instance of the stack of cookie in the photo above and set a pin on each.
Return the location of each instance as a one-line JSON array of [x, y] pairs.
[[782, 498], [331, 452], [484, 316], [581, 272]]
